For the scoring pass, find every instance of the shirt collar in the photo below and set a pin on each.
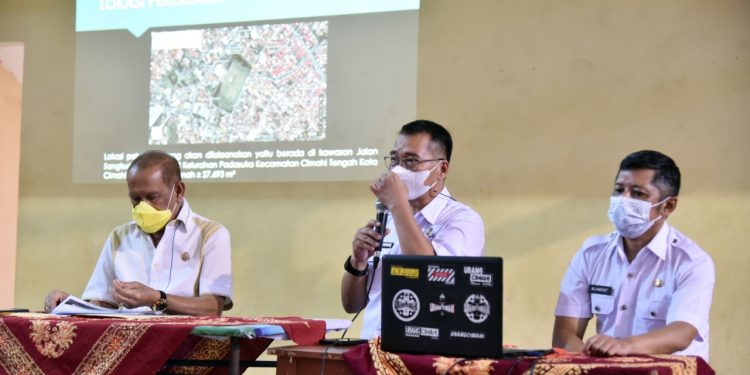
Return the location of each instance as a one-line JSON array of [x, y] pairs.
[[184, 214], [658, 244], [431, 211]]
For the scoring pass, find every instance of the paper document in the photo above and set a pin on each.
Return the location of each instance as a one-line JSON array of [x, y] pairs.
[[337, 324], [76, 306]]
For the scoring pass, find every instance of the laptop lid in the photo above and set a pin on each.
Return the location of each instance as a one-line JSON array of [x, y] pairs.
[[442, 305]]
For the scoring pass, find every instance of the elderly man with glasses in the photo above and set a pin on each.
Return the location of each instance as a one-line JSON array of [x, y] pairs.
[[424, 218]]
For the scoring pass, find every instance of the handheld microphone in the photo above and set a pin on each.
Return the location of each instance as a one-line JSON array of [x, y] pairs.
[[381, 215]]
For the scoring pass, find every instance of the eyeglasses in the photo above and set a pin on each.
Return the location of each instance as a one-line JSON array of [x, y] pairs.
[[409, 163]]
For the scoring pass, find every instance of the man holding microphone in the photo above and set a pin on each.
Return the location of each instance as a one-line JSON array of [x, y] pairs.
[[424, 218]]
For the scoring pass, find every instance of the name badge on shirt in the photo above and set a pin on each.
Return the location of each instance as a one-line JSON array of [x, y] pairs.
[[600, 289], [431, 232]]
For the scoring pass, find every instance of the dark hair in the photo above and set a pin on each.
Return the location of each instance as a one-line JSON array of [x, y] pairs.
[[666, 174], [170, 168], [438, 134]]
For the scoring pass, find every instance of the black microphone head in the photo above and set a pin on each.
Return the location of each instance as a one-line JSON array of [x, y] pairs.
[[381, 215]]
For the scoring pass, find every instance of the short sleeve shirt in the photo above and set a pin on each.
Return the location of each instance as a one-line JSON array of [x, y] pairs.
[[192, 259], [670, 280], [453, 229]]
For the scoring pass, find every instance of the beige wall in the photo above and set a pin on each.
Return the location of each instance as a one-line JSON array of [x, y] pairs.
[[10, 154], [543, 98]]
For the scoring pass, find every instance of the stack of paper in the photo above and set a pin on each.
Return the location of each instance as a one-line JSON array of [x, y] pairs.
[[76, 306]]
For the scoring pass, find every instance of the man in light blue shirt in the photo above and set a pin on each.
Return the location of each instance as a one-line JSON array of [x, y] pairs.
[[649, 285], [425, 219]]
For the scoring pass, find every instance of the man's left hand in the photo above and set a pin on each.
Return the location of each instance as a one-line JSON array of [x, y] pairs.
[[390, 190], [134, 294], [603, 345]]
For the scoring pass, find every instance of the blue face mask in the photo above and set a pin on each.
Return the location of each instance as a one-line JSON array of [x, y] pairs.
[[631, 217]]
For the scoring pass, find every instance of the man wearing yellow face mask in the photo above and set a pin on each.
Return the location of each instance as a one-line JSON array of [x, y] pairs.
[[168, 258]]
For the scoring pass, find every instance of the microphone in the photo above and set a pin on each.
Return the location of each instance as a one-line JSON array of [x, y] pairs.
[[381, 215]]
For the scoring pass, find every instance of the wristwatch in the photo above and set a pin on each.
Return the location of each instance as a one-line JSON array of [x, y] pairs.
[[355, 272], [161, 303]]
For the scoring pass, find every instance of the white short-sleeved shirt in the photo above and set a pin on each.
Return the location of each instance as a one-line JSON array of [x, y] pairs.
[[193, 258], [671, 279], [453, 229]]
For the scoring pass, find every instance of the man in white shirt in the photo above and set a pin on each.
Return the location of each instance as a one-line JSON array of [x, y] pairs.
[[424, 218], [168, 258], [649, 285]]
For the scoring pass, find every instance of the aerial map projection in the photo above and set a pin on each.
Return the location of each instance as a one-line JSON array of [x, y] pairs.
[[259, 83]]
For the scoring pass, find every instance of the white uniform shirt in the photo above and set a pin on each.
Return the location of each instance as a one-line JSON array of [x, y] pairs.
[[453, 229], [192, 259], [670, 280]]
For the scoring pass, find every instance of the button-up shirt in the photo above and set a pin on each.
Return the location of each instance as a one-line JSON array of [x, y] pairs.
[[670, 280], [193, 258], [453, 229]]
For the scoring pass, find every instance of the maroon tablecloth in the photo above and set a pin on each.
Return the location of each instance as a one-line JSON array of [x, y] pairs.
[[48, 344], [370, 359]]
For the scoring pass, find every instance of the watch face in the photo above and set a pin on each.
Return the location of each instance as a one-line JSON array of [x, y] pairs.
[[161, 303]]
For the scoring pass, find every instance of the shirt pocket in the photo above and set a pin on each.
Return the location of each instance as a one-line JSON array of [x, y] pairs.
[[602, 304], [650, 315]]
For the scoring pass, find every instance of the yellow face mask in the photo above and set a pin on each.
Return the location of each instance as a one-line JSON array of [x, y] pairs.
[[149, 219]]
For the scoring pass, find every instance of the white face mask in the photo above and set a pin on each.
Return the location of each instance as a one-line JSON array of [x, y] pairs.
[[415, 180], [631, 216]]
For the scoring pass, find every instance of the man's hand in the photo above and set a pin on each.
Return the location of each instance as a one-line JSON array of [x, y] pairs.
[[365, 241], [390, 190], [568, 333], [603, 345], [53, 299], [134, 294]]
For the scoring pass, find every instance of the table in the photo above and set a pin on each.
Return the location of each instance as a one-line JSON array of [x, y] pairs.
[[49, 344], [302, 359], [369, 359]]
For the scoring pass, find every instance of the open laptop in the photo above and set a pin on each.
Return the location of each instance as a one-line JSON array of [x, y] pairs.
[[449, 306]]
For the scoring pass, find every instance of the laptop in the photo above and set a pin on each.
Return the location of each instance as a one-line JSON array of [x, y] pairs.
[[449, 306]]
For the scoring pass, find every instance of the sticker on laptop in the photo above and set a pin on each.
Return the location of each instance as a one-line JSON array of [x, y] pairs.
[[409, 273], [467, 335], [405, 305], [414, 331], [477, 308], [438, 274], [442, 306], [477, 276]]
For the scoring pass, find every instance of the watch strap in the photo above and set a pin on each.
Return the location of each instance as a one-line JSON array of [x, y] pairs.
[[353, 271]]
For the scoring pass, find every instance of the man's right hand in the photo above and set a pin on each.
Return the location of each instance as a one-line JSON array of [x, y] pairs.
[[53, 299], [365, 242]]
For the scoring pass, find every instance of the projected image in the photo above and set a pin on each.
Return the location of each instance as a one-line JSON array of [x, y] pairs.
[[260, 83]]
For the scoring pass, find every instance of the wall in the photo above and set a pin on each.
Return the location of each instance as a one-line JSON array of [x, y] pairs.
[[543, 97], [11, 73]]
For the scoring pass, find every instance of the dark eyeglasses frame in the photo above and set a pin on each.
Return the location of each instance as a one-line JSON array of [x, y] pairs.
[[408, 163]]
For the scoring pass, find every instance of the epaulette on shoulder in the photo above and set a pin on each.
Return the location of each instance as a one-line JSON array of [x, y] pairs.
[[119, 233], [686, 245]]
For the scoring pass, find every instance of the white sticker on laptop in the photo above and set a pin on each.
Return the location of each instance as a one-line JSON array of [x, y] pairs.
[[442, 306], [413, 331], [438, 274], [477, 308], [405, 305], [477, 276]]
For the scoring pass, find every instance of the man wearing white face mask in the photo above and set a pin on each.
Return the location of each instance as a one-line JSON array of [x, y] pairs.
[[649, 285], [424, 218], [168, 258]]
